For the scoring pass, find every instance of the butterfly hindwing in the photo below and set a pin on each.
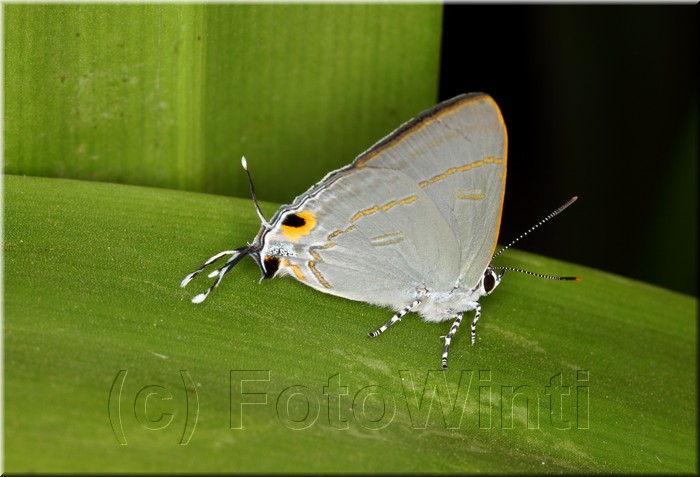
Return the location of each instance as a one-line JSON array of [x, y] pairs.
[[369, 217]]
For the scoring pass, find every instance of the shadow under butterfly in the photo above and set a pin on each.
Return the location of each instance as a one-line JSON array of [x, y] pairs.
[[411, 224]]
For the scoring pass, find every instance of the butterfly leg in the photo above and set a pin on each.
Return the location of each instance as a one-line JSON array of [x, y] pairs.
[[394, 319], [448, 338], [477, 315]]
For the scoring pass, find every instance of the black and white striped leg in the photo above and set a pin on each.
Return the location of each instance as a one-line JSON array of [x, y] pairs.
[[394, 319], [448, 339], [477, 315]]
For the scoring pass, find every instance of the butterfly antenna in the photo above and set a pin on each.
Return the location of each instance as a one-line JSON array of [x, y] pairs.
[[244, 163], [546, 219], [526, 272], [538, 275]]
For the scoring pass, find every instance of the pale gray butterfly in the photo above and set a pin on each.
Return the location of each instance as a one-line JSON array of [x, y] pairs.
[[412, 224]]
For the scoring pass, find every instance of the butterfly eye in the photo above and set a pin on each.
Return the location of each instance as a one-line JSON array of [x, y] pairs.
[[490, 281]]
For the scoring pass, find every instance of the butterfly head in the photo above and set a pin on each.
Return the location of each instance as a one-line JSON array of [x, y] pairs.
[[490, 280]]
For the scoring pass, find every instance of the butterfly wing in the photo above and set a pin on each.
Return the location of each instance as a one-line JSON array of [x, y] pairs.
[[457, 154], [421, 208], [374, 243]]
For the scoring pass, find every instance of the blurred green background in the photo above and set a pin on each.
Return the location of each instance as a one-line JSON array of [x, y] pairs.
[[173, 95]]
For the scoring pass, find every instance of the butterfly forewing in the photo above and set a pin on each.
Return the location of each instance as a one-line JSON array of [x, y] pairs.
[[456, 153]]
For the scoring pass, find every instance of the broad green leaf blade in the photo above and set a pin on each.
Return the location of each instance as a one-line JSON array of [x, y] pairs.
[[173, 95], [111, 368]]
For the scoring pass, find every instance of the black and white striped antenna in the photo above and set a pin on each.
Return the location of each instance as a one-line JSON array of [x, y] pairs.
[[544, 220]]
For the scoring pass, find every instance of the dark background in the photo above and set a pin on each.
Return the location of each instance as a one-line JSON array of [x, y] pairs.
[[599, 102]]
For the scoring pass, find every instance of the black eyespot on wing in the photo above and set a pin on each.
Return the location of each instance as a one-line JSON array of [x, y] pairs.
[[293, 220], [272, 264], [489, 282]]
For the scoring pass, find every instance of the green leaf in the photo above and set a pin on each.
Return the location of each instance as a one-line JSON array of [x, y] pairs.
[[173, 95], [103, 348]]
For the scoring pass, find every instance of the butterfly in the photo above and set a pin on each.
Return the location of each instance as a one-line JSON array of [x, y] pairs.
[[411, 224]]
